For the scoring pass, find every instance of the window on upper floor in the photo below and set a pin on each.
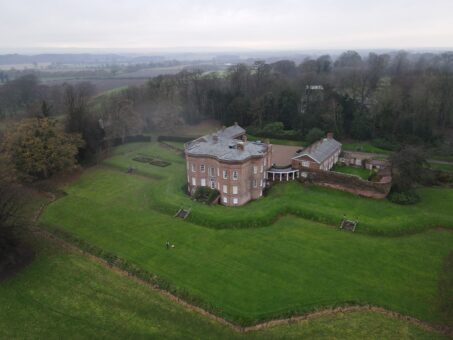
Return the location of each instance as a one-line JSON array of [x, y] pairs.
[[202, 168], [235, 174], [225, 174]]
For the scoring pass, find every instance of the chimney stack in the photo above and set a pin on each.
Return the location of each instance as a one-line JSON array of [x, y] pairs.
[[235, 123], [244, 138], [240, 146], [215, 138], [330, 135]]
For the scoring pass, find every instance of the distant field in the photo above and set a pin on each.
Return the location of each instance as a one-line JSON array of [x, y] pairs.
[[152, 72], [63, 294], [249, 274], [115, 81], [23, 66], [101, 84]]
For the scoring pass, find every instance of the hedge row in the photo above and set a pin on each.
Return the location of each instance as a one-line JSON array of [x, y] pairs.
[[181, 139], [270, 216], [128, 139]]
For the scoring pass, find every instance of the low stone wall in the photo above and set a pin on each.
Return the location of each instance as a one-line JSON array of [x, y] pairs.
[[346, 182]]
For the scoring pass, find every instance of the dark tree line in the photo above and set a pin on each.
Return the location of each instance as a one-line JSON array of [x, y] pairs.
[[404, 97], [25, 96], [397, 97]]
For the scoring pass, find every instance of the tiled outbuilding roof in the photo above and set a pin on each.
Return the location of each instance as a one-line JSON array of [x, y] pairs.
[[321, 150]]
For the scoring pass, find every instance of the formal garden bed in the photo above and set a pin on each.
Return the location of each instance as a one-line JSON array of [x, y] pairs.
[[152, 161]]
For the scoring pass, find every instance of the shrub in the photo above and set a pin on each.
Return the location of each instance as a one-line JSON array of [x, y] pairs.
[[404, 197], [181, 139], [314, 135], [206, 194], [38, 148], [137, 139], [444, 177], [152, 161], [275, 130], [385, 144]]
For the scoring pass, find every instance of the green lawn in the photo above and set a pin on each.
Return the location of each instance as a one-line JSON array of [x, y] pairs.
[[319, 204], [63, 294], [250, 274], [351, 170], [364, 147], [443, 167]]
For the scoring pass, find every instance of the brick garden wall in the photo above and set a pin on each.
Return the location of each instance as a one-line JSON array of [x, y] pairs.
[[349, 183]]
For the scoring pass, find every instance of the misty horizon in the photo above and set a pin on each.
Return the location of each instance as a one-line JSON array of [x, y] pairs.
[[201, 26]]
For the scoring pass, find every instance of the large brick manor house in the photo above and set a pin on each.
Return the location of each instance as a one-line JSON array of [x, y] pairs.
[[239, 169], [226, 161]]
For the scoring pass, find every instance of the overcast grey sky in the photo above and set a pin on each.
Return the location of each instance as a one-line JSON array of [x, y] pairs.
[[145, 25]]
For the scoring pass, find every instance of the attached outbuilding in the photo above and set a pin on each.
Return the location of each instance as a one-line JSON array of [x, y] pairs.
[[321, 155]]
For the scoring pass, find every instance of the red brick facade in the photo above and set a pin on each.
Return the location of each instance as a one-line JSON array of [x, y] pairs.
[[307, 162], [310, 158], [237, 182]]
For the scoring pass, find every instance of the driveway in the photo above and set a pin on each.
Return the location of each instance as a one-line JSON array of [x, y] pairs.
[[282, 154]]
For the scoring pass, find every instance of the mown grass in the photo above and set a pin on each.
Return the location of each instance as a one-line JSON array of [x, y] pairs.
[[351, 170], [247, 275], [63, 294], [443, 167], [364, 147], [319, 204]]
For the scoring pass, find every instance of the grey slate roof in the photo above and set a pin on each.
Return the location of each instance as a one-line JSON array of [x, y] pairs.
[[320, 150], [282, 170], [222, 145], [232, 131]]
